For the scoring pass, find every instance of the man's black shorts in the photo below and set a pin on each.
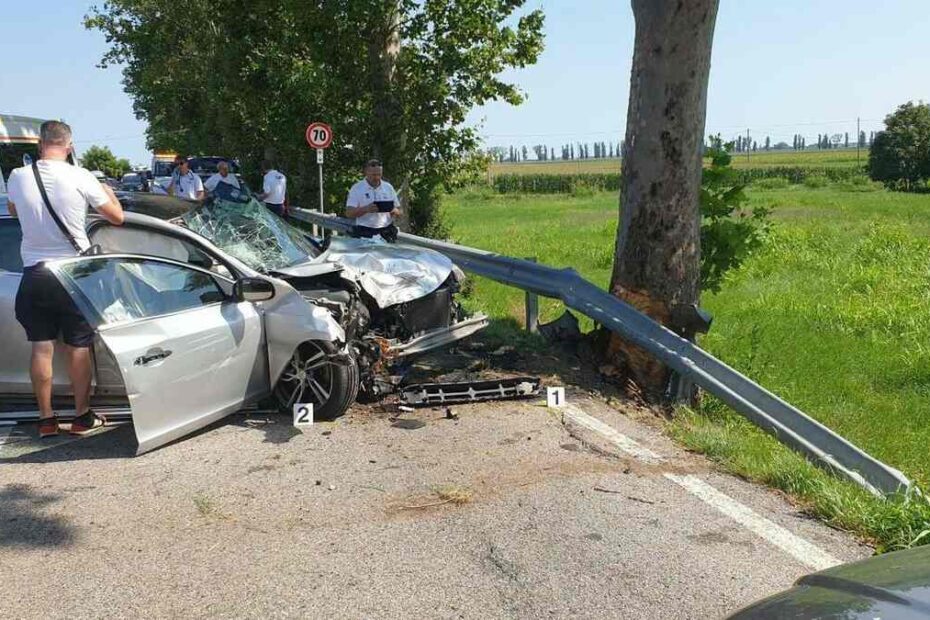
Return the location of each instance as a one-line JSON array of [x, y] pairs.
[[45, 310]]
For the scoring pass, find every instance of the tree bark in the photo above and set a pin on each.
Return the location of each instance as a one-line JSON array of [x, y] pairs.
[[388, 139], [657, 257]]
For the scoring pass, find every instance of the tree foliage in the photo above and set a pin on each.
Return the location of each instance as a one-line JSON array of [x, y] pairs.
[[899, 156], [101, 158], [729, 234], [395, 79]]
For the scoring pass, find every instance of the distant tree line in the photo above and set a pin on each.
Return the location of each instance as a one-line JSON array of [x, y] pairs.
[[609, 150], [542, 152]]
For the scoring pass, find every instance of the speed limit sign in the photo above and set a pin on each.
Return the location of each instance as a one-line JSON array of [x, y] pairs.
[[319, 135]]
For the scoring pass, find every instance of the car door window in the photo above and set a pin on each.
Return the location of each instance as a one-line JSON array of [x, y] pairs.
[[120, 289], [11, 237]]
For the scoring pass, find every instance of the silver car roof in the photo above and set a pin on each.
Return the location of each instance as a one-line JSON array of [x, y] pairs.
[[146, 221]]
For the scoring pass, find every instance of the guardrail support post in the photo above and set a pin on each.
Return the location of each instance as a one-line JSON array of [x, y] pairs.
[[532, 307]]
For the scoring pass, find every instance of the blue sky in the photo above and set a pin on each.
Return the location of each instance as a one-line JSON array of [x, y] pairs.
[[779, 68]]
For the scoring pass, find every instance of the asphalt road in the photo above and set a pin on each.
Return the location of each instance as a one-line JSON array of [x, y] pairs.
[[504, 512]]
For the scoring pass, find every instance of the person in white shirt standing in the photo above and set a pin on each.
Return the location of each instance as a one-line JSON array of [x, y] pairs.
[[368, 201], [222, 176], [184, 183], [274, 189], [38, 194]]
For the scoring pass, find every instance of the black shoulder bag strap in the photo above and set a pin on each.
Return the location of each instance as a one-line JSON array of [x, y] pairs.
[[48, 205]]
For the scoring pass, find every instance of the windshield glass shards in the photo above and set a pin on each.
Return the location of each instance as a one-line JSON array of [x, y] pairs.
[[250, 232]]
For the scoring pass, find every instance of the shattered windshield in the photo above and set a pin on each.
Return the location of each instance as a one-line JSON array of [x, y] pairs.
[[241, 226]]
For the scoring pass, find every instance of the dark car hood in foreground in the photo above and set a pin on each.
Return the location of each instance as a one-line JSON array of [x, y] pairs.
[[155, 205], [894, 585]]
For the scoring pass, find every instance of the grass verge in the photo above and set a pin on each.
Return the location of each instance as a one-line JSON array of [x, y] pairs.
[[833, 314], [743, 449]]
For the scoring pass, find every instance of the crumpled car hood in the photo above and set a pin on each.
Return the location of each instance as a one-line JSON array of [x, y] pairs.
[[391, 273]]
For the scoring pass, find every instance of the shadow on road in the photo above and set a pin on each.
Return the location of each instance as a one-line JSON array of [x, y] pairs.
[[277, 428], [23, 446], [25, 526]]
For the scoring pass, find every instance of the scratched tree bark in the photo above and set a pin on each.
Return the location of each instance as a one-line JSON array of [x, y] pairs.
[[657, 257]]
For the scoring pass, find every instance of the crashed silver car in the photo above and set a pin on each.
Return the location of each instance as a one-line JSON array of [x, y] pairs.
[[200, 310]]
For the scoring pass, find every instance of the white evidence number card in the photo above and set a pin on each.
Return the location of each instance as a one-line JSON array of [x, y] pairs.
[[303, 414], [555, 396]]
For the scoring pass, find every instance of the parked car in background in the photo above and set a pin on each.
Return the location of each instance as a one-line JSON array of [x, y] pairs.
[[104, 179], [134, 182]]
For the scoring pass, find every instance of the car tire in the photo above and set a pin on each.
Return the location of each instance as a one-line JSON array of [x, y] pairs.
[[331, 386]]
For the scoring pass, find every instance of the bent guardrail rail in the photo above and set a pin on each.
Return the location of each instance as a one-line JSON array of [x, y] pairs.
[[767, 411]]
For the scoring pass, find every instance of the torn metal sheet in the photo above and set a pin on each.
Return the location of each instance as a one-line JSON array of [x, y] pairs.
[[391, 273], [438, 337], [470, 391]]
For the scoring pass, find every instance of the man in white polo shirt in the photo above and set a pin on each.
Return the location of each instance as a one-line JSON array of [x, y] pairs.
[[184, 183], [372, 202], [49, 189], [274, 189], [222, 176]]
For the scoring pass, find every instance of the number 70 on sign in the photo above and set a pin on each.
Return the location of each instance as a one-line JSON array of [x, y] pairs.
[[319, 135]]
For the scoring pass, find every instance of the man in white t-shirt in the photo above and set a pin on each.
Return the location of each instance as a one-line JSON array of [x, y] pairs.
[[43, 307], [274, 189], [184, 183], [368, 199], [222, 176]]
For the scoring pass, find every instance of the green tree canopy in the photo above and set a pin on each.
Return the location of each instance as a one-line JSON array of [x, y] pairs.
[[900, 155], [394, 78], [101, 158]]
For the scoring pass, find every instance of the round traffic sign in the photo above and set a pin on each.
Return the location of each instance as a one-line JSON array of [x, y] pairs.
[[319, 135]]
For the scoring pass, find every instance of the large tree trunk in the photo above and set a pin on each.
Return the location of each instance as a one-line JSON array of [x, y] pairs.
[[657, 259], [389, 137]]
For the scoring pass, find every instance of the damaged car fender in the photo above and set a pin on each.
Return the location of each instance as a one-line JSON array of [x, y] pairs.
[[289, 321]]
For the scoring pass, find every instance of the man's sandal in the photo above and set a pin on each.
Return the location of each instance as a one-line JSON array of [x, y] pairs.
[[87, 423]]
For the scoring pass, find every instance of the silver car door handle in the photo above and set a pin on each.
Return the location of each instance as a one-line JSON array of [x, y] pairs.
[[150, 356]]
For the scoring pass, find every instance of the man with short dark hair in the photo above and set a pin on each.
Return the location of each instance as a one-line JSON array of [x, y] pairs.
[[185, 183], [43, 307], [274, 189], [372, 202]]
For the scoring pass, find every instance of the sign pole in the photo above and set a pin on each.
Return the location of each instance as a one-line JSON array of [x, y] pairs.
[[319, 161], [319, 136]]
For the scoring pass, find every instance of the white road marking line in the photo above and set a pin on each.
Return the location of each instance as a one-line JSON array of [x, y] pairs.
[[804, 552], [614, 436], [798, 548]]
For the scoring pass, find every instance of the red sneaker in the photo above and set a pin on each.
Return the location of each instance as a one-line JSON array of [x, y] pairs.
[[48, 427], [87, 423]]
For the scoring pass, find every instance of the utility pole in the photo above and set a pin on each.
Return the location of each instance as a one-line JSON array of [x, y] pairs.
[[748, 144], [858, 140]]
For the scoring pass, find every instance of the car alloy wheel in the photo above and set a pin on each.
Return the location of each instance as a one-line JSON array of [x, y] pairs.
[[311, 376]]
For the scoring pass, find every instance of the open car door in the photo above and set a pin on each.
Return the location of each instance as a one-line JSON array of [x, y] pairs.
[[188, 353]]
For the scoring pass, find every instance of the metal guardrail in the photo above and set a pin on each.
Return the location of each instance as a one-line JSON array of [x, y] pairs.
[[785, 422]]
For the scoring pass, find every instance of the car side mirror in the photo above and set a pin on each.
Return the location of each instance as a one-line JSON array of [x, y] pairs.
[[201, 260], [253, 289]]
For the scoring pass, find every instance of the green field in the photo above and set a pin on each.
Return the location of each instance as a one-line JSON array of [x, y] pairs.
[[833, 314], [761, 159]]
